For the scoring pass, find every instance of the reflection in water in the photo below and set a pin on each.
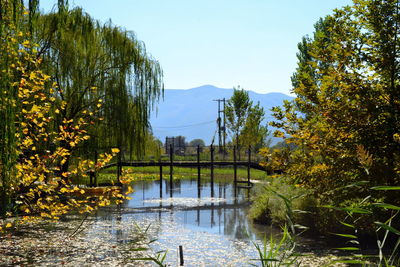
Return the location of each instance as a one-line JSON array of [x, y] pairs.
[[213, 231]]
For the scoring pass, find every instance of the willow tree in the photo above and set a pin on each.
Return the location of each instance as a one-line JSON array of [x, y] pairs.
[[103, 65]]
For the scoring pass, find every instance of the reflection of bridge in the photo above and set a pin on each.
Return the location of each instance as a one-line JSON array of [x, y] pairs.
[[168, 207], [190, 164]]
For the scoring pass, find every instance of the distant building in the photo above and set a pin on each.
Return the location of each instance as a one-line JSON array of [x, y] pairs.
[[178, 145]]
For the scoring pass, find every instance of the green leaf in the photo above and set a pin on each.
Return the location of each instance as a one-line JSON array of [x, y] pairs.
[[349, 209], [349, 248], [388, 227], [346, 235], [386, 188], [386, 206], [348, 225]]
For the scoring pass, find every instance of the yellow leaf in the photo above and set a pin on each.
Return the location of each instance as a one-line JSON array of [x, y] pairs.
[[115, 150], [72, 144], [8, 225], [63, 190]]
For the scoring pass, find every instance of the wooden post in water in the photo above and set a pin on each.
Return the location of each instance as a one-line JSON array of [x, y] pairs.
[[171, 160], [248, 166], [234, 166], [160, 178], [198, 171], [181, 256], [212, 170], [119, 166]]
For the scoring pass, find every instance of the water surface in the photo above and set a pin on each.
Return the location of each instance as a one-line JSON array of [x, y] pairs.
[[211, 225]]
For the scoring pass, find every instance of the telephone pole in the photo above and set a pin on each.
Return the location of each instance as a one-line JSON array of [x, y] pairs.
[[221, 126]]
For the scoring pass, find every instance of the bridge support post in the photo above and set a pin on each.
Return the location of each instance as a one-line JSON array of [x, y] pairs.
[[234, 166], [171, 160], [160, 178], [119, 167], [198, 171], [212, 170], [248, 166]]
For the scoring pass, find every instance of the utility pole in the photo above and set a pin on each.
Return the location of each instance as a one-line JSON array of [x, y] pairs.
[[221, 128], [224, 127]]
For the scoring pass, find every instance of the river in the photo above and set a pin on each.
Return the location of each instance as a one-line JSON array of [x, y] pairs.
[[211, 226]]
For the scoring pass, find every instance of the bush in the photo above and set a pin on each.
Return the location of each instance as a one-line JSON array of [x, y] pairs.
[[281, 201]]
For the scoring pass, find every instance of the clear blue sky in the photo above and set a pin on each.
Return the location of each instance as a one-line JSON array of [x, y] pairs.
[[251, 43]]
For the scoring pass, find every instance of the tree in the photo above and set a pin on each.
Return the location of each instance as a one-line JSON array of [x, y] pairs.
[[97, 73], [197, 142], [254, 134], [347, 101], [15, 20], [244, 120], [236, 112], [100, 66], [37, 185]]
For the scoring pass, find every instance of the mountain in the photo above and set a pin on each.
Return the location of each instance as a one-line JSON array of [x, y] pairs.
[[193, 113]]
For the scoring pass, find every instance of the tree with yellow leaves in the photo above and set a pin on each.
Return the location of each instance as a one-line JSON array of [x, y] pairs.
[[33, 182]]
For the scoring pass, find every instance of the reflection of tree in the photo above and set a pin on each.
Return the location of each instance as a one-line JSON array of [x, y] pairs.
[[177, 184], [236, 223]]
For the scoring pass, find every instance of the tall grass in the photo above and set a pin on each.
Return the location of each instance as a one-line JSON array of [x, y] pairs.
[[388, 252]]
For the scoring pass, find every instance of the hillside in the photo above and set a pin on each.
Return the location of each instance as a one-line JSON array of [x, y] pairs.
[[193, 113]]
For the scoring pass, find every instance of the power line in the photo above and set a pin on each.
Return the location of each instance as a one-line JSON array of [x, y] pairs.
[[184, 126]]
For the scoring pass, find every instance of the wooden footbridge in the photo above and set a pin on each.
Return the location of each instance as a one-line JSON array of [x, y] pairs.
[[199, 164]]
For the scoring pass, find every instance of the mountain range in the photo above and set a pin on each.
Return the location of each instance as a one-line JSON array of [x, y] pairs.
[[193, 112]]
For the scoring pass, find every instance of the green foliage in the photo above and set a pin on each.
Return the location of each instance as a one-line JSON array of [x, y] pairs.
[[244, 120], [388, 254], [98, 73], [345, 114], [197, 142], [15, 21], [277, 253], [282, 202], [100, 66]]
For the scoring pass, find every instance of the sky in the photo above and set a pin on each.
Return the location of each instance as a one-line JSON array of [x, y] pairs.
[[225, 43]]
